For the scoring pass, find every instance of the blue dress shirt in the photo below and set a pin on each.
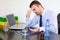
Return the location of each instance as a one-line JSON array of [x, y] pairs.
[[46, 14]]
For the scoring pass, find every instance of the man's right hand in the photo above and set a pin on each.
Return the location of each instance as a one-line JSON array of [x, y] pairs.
[[35, 30], [28, 13]]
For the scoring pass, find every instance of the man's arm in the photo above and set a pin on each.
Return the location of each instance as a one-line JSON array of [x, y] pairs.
[[28, 20], [31, 18]]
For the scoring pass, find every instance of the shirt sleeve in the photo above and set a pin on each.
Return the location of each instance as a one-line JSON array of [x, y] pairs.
[[28, 20], [33, 22], [53, 23], [37, 25]]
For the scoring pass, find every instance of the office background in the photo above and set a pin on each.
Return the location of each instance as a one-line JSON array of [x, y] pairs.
[[20, 7]]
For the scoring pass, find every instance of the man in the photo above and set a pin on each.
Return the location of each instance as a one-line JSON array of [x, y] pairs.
[[38, 9]]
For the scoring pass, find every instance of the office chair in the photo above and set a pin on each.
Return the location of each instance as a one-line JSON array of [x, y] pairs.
[[58, 19]]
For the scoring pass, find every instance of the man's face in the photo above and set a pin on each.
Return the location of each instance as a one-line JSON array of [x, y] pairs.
[[36, 9]]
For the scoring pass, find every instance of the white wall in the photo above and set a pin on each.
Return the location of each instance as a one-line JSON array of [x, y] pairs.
[[19, 7], [51, 4]]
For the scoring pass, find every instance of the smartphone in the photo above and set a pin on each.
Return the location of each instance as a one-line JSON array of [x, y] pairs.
[[32, 27]]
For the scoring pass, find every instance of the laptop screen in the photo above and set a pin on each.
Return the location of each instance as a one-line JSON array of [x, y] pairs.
[[11, 19]]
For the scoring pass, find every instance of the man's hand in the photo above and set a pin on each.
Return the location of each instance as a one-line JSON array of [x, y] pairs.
[[35, 30], [28, 13]]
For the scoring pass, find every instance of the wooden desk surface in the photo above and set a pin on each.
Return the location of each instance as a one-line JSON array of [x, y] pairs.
[[16, 36]]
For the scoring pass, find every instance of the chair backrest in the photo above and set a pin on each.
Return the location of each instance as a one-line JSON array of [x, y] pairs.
[[58, 19]]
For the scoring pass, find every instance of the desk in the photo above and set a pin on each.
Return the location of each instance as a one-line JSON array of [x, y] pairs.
[[53, 36], [37, 36], [15, 36]]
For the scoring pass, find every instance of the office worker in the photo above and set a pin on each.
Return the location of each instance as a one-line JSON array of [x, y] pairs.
[[38, 9]]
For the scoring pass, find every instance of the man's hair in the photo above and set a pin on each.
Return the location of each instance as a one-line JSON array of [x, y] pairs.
[[35, 3]]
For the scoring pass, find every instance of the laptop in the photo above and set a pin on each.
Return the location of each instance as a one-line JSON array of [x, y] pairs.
[[12, 22]]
